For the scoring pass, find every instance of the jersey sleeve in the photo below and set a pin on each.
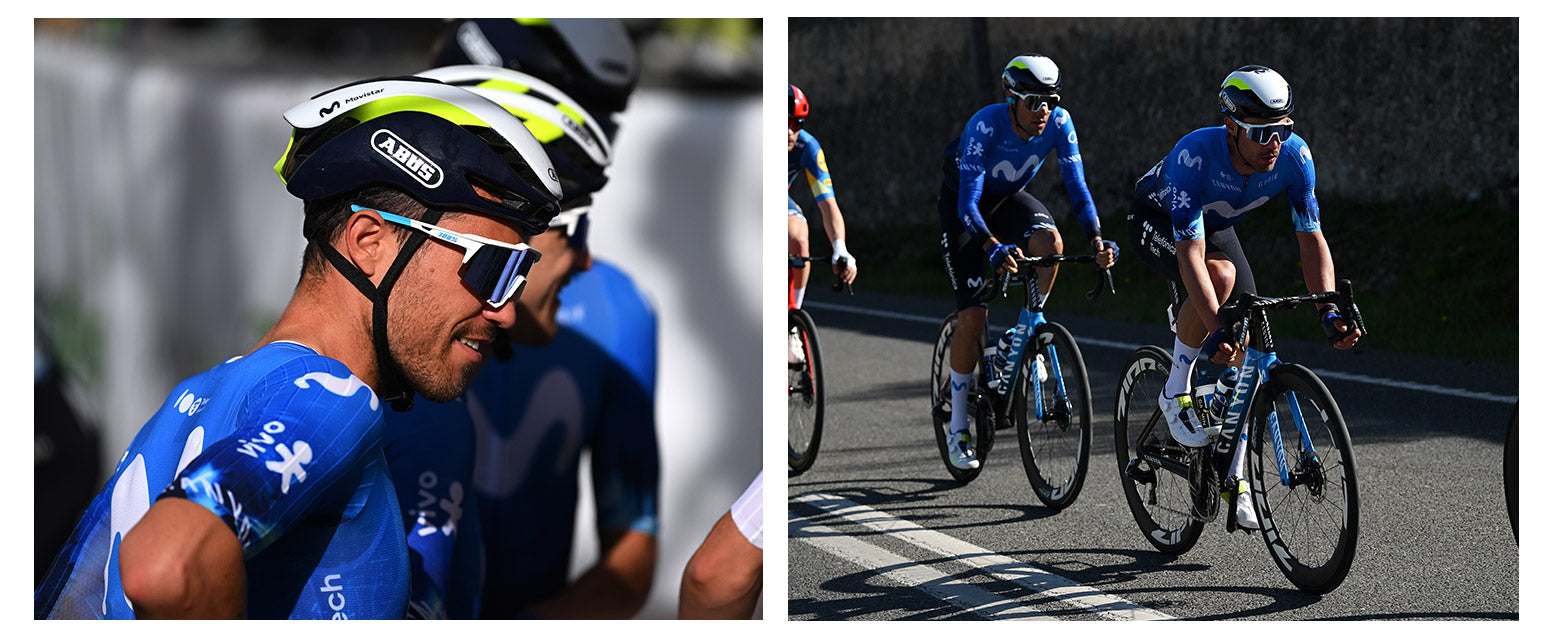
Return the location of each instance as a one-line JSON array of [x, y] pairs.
[[1184, 176], [625, 464], [1299, 191], [1071, 172], [976, 137], [816, 168], [300, 445]]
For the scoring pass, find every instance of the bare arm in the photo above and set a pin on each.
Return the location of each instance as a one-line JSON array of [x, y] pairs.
[[724, 579], [614, 588], [181, 561], [834, 225], [1318, 270]]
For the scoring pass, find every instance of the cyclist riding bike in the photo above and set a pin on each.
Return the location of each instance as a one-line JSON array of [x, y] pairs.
[[804, 157], [1181, 224], [260, 488], [984, 211]]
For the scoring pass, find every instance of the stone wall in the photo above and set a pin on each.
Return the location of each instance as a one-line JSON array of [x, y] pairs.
[[1393, 108]]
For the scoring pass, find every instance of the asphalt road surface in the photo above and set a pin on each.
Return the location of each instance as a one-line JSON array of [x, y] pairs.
[[878, 530]]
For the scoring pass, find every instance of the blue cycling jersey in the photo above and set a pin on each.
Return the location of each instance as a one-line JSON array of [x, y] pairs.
[[994, 162], [430, 451], [282, 444], [806, 158], [1202, 192], [592, 388]]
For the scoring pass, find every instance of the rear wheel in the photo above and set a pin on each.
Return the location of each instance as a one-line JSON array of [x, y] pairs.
[[941, 405], [1054, 447], [804, 393], [1153, 469], [1310, 518]]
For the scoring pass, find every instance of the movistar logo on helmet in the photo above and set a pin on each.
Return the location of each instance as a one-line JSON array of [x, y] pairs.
[[414, 163]]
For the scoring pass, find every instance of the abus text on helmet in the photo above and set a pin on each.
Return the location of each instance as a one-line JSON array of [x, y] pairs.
[[407, 158]]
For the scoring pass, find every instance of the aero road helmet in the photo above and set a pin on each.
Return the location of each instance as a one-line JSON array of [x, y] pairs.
[[590, 59], [573, 139], [1031, 73], [1255, 91], [430, 140], [797, 102]]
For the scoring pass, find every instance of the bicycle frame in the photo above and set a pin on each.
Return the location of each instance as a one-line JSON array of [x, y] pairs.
[[1252, 375]]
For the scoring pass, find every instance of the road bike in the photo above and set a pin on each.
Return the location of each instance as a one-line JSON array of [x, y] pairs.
[[804, 375], [1301, 474], [1045, 396]]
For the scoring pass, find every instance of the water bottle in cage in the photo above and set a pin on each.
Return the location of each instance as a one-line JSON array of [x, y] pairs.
[[1223, 395]]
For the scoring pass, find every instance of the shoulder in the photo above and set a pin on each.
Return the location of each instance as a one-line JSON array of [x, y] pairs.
[[295, 380], [807, 140], [1299, 150], [1195, 149]]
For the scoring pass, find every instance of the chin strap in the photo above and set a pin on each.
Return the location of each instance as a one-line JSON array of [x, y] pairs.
[[395, 388]]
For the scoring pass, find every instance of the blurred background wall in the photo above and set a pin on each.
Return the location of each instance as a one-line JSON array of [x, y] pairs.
[[164, 242], [1394, 108]]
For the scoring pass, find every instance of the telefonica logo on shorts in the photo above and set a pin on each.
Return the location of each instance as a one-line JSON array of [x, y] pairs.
[[407, 158]]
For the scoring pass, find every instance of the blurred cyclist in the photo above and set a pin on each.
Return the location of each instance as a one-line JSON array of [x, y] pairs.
[[575, 374]]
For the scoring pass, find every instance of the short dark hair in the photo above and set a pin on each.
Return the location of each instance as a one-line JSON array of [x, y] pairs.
[[326, 217]]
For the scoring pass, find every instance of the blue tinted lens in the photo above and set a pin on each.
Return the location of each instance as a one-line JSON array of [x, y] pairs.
[[497, 274]]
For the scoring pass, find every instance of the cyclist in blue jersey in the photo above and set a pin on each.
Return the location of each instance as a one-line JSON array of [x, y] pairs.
[[725, 577], [525, 574], [578, 374], [259, 488], [804, 157], [1181, 224], [985, 212]]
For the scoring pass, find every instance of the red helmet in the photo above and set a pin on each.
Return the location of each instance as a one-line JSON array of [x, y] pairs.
[[797, 112]]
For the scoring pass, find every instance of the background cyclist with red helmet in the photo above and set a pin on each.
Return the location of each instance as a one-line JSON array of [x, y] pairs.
[[804, 157], [984, 211], [1181, 225]]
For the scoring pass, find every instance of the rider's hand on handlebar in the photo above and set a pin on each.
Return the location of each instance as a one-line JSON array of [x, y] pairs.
[[848, 274], [1218, 348], [1003, 257], [1106, 250], [1335, 325]]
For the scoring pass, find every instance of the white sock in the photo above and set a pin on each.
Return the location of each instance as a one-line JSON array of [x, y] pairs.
[[800, 292], [959, 387], [1183, 363]]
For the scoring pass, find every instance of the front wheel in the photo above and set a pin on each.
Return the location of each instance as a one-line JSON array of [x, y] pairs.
[[1153, 469], [804, 392], [1054, 430], [941, 405], [1303, 479]]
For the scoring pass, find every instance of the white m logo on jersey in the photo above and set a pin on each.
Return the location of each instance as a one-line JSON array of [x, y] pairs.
[[1187, 160], [343, 387]]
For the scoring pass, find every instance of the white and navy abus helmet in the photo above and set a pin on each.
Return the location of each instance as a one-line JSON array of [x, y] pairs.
[[1031, 73], [592, 59], [1255, 91], [428, 139], [572, 137]]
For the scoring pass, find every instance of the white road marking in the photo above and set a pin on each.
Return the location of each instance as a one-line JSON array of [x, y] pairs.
[[1127, 346], [1058, 588]]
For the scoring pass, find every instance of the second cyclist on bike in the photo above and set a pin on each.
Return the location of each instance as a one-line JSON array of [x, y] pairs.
[[1181, 225], [985, 213]]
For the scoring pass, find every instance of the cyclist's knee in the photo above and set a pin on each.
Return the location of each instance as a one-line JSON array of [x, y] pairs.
[[796, 235], [1044, 241], [972, 318], [1222, 273]]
